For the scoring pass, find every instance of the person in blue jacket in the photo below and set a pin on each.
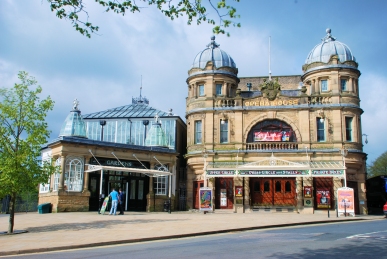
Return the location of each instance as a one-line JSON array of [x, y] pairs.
[[114, 196]]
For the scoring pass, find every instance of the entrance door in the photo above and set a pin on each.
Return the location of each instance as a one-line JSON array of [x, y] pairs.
[[196, 188], [262, 193], [94, 192], [138, 188], [273, 191], [224, 195]]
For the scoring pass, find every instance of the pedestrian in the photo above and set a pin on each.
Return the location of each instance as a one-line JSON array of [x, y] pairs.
[[114, 196], [121, 201]]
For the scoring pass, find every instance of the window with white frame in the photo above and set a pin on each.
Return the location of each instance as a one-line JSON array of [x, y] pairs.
[[320, 129], [324, 85], [218, 89], [343, 84], [45, 187], [74, 174], [223, 131], [201, 90], [348, 128], [198, 132], [57, 174], [160, 183]]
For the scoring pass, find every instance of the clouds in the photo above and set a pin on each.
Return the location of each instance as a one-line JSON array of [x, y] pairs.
[[105, 71]]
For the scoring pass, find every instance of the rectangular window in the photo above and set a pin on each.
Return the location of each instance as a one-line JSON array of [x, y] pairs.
[[198, 132], [348, 128], [160, 185], [320, 129], [223, 131], [201, 90], [324, 85], [343, 83], [218, 89]]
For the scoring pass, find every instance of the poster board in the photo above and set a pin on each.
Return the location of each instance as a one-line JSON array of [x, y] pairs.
[[345, 201], [238, 191], [205, 199], [308, 191], [323, 196], [104, 205]]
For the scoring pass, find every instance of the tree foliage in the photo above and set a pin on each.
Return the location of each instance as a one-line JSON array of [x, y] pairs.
[[23, 131], [379, 166], [195, 11]]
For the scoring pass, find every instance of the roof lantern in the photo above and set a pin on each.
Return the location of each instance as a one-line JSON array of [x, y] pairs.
[[156, 136], [213, 53], [74, 125], [330, 47]]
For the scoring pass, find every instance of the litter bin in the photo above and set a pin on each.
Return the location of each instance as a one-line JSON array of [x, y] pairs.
[[44, 208], [166, 206]]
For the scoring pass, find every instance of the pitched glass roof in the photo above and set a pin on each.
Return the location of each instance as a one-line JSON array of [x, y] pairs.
[[136, 110]]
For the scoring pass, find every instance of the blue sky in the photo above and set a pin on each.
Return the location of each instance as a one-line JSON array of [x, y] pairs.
[[105, 71]]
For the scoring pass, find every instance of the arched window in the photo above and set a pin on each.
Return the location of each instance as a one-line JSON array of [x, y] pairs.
[[277, 186], [57, 174], [74, 174], [266, 186], [288, 187], [271, 130]]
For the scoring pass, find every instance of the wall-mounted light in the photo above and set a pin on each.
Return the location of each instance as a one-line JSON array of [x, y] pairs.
[[321, 114], [366, 140]]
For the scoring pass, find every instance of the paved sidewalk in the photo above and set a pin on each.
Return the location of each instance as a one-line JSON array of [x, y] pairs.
[[58, 231]]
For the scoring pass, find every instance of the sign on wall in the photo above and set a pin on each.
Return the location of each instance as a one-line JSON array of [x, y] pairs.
[[274, 172], [238, 191], [271, 136], [205, 199], [345, 201], [323, 197], [307, 191]]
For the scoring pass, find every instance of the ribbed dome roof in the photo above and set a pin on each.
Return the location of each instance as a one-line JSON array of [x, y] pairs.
[[74, 124], [328, 47], [156, 136], [213, 53]]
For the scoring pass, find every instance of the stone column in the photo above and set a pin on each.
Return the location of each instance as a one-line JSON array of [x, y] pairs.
[[61, 177], [86, 177]]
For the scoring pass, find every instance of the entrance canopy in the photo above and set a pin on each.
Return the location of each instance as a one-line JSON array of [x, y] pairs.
[[273, 167], [148, 172]]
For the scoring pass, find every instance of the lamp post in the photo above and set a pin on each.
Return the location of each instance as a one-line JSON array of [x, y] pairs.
[[344, 153]]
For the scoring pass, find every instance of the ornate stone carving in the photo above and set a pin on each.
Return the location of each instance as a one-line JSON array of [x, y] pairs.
[[270, 89]]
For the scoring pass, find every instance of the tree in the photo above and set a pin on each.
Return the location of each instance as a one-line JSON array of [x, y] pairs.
[[23, 131], [379, 166], [194, 10]]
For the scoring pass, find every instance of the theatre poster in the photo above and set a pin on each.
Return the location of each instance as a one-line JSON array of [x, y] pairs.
[[205, 199], [345, 201]]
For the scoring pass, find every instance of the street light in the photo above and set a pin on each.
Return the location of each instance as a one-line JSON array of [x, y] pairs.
[[366, 140], [344, 153]]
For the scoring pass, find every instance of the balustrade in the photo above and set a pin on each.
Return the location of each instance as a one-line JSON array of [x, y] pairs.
[[271, 146]]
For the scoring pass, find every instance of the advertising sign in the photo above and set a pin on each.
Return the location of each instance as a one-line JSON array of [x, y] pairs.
[[274, 172], [327, 172], [221, 172], [307, 191], [323, 197], [271, 136], [238, 191], [223, 197], [345, 201], [205, 199]]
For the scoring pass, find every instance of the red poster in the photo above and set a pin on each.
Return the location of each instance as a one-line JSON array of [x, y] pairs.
[[307, 191], [238, 191], [271, 136]]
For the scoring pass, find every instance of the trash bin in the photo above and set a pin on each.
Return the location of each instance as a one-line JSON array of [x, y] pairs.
[[166, 206], [44, 208]]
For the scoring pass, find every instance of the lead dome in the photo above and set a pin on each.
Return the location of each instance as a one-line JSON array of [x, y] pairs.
[[215, 55], [329, 47]]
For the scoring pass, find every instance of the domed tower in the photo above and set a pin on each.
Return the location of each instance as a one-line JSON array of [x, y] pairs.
[[74, 126], [212, 93], [331, 74]]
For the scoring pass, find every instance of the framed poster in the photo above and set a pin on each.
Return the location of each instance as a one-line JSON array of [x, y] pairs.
[[223, 197], [205, 199], [307, 191], [323, 197], [238, 191], [345, 201]]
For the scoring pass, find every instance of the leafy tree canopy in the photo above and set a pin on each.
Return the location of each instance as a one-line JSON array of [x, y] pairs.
[[379, 166], [194, 10], [23, 131]]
